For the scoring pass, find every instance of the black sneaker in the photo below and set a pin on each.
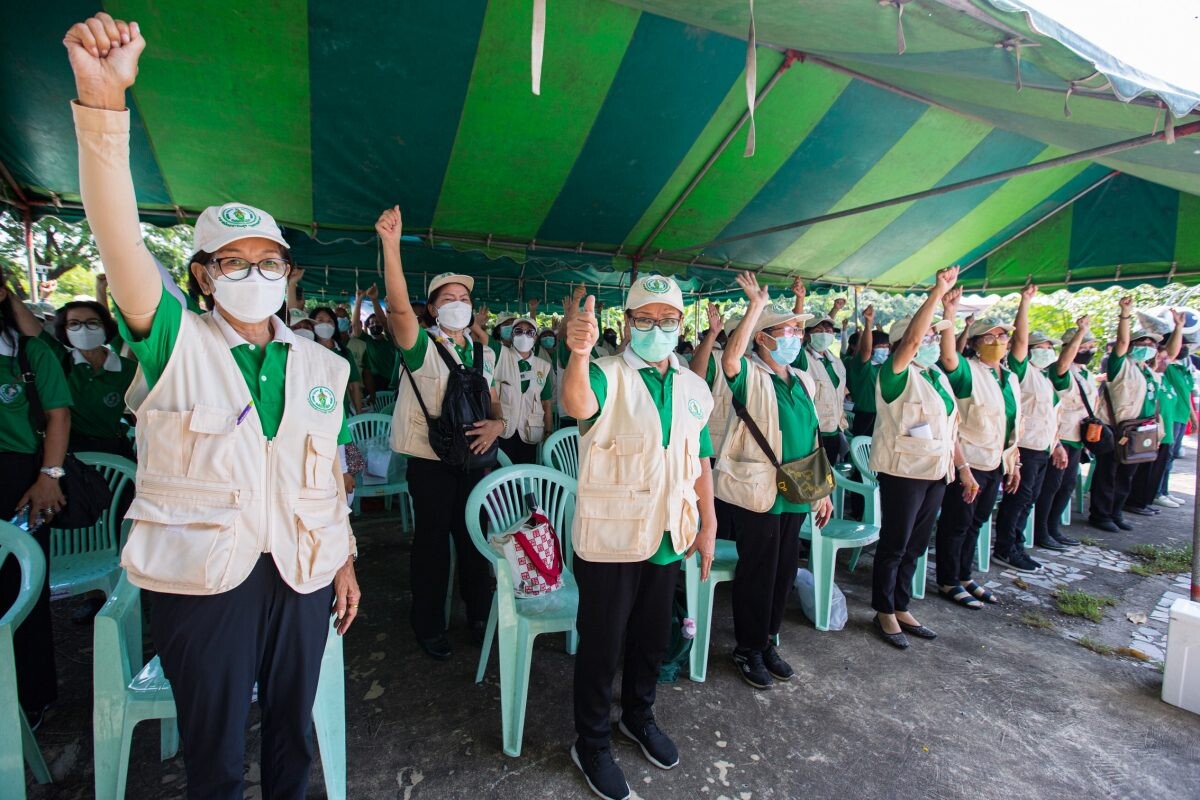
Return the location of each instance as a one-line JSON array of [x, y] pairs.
[[656, 746], [1018, 560], [1106, 525], [438, 647], [602, 774], [1065, 541], [752, 669], [1051, 544], [1141, 511], [780, 670], [1122, 524]]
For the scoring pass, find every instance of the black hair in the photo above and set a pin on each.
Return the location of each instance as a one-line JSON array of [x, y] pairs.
[[60, 320], [9, 330], [326, 309], [852, 341]]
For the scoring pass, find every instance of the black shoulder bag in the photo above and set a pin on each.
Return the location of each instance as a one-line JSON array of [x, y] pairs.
[[1136, 440], [85, 489], [1095, 434], [805, 480], [467, 400]]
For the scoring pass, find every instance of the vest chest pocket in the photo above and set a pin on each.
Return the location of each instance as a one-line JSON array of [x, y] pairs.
[[618, 463], [921, 458], [319, 452], [196, 444], [322, 540], [912, 415], [984, 426], [181, 543]]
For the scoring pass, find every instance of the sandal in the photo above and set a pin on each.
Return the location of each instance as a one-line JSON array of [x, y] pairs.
[[980, 592], [961, 596]]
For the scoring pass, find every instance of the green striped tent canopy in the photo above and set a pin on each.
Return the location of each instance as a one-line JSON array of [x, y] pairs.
[[325, 112]]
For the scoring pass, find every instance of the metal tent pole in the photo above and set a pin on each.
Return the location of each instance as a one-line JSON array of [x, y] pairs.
[[32, 262]]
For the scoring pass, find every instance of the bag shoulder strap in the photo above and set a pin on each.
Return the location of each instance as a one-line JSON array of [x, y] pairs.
[[29, 379], [420, 400], [739, 408], [1083, 395]]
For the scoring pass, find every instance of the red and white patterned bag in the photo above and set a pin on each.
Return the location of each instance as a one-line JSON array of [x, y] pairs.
[[534, 556]]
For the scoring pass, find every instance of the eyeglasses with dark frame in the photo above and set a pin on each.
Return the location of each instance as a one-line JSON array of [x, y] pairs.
[[236, 269], [668, 325], [90, 324]]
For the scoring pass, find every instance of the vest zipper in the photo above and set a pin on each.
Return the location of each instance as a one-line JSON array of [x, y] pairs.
[[268, 495]]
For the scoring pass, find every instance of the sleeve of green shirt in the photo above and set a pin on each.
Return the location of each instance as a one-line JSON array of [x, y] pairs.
[[737, 384], [710, 374], [960, 379], [154, 351], [599, 385], [56, 347], [801, 362], [891, 385], [1018, 368], [51, 381], [1115, 362], [414, 356], [1060, 382], [548, 387]]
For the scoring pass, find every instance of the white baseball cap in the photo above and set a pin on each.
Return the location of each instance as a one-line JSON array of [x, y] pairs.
[[1040, 337], [779, 312], [1071, 333], [1141, 333], [218, 226], [896, 332], [982, 326], [813, 321], [450, 277], [654, 289]]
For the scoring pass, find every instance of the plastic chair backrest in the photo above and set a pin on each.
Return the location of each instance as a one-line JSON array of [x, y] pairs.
[[117, 641], [860, 456], [383, 397], [561, 451], [387, 408], [500, 499], [16, 543], [366, 427], [502, 459], [118, 472]]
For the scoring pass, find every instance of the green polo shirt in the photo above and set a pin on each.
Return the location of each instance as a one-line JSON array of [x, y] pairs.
[[1169, 411], [1062, 383], [16, 426], [661, 389], [1180, 379], [263, 368], [861, 377], [99, 398], [381, 360], [891, 385], [414, 356], [797, 424], [961, 382], [1115, 362]]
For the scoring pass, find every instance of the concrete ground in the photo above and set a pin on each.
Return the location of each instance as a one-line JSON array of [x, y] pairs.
[[994, 708]]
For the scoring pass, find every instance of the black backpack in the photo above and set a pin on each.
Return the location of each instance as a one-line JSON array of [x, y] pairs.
[[467, 400]]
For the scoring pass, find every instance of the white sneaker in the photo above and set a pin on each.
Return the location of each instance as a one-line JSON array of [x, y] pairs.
[[1165, 502], [1174, 499]]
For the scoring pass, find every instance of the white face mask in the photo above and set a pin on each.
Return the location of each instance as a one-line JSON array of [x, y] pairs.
[[455, 315], [1042, 357], [523, 342], [252, 299], [324, 330], [821, 341], [304, 333], [84, 339]]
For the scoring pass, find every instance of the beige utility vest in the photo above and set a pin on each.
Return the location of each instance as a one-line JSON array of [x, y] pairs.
[[981, 420], [828, 399], [523, 413], [718, 421], [631, 489], [744, 475], [894, 451], [410, 431], [1071, 410], [1039, 413], [1126, 392], [213, 494]]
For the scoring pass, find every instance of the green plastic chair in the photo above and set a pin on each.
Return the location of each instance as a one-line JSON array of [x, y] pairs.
[[514, 622], [18, 747], [825, 542], [700, 596], [867, 487], [372, 429], [382, 399], [560, 451], [128, 690], [84, 559]]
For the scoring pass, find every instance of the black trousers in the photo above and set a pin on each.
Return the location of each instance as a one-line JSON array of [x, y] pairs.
[[909, 508], [832, 445], [768, 548], [1058, 487], [87, 444], [213, 648], [518, 450], [1111, 484], [33, 641], [959, 525], [1014, 508], [620, 605], [1148, 477], [864, 423], [439, 495]]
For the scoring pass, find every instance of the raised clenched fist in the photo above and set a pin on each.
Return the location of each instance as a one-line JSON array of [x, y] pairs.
[[104, 56]]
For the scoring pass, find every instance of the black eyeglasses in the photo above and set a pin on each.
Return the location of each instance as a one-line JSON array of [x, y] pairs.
[[236, 269], [90, 324], [669, 325]]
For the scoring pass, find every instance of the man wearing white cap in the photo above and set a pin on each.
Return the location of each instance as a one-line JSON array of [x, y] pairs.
[[829, 376], [240, 522], [524, 383], [644, 504], [776, 398]]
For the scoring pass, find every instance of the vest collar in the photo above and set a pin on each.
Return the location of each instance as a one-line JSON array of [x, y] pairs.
[[634, 360], [756, 360], [112, 362], [436, 332], [279, 331]]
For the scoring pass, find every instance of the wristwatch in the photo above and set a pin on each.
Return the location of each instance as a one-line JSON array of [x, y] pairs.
[[53, 472]]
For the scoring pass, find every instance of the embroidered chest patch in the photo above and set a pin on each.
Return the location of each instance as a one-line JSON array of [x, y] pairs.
[[694, 408], [322, 399]]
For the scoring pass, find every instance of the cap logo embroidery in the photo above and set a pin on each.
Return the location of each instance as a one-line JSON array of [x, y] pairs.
[[322, 399], [9, 392], [239, 217], [656, 285]]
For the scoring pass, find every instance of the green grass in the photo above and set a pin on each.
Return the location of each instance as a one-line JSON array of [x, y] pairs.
[[1089, 541], [1075, 603], [1159, 559], [1036, 619], [1096, 646]]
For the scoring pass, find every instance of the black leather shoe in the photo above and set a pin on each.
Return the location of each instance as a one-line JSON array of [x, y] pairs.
[[898, 640], [1141, 511], [919, 631], [1066, 541], [437, 647], [1122, 524], [1051, 544], [1104, 525]]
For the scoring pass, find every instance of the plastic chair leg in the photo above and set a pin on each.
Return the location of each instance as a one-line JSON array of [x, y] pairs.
[[489, 634], [821, 561], [983, 547], [516, 653], [1028, 533], [853, 562], [919, 577], [32, 753], [700, 603], [572, 641], [168, 738], [329, 718]]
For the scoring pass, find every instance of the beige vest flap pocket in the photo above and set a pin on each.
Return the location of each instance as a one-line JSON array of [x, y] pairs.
[[155, 425], [616, 464], [983, 425], [188, 547], [323, 542], [318, 465], [211, 431], [922, 456], [746, 484], [611, 528]]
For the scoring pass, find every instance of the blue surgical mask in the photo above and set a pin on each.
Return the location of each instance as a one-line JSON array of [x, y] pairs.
[[821, 341], [506, 332], [928, 354], [653, 345], [343, 324], [548, 342], [879, 355], [786, 349], [1142, 353]]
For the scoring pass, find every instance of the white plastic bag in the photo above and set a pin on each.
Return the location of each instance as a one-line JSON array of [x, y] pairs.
[[378, 455], [806, 591]]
